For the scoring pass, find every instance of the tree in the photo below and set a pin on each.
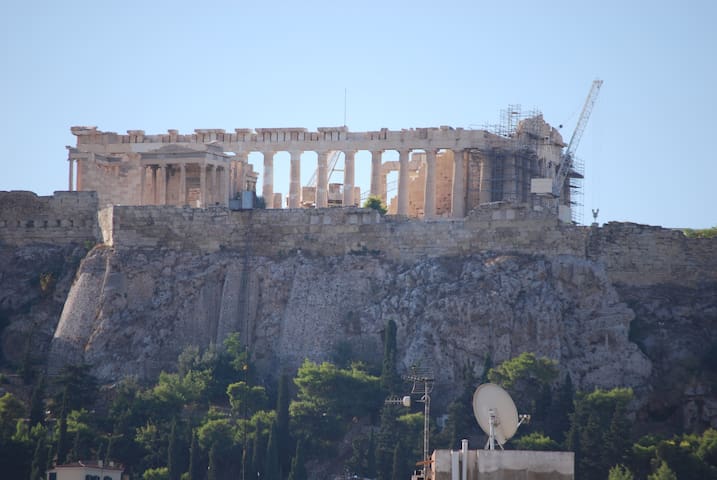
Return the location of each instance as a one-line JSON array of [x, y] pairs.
[[160, 473], [298, 468], [536, 441], [663, 473], [37, 405], [174, 460], [195, 463], [620, 472], [11, 410], [272, 469], [597, 420], [282, 423], [375, 202], [526, 377], [390, 380], [39, 459]]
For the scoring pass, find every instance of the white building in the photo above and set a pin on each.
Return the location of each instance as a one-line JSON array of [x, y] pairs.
[[86, 470]]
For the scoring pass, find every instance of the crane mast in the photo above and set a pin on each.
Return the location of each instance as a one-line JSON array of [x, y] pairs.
[[566, 161]]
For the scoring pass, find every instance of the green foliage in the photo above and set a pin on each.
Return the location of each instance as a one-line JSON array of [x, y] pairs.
[[620, 472], [536, 441], [77, 387], [327, 397], [663, 473], [375, 203], [245, 399], [11, 410], [600, 431], [47, 283], [528, 379], [161, 473], [700, 232]]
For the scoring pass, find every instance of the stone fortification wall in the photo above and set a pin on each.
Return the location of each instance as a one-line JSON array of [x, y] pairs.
[[60, 219], [335, 231]]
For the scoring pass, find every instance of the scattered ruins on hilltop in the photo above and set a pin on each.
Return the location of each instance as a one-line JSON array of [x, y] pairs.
[[442, 172]]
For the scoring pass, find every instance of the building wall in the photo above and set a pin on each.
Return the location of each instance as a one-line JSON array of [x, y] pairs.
[[62, 218], [503, 465]]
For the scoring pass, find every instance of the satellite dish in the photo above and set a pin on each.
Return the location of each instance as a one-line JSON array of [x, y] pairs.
[[496, 414]]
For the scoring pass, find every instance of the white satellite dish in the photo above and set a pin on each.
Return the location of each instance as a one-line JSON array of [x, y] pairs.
[[496, 414]]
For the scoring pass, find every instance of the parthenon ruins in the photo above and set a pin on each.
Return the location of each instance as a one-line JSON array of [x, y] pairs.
[[442, 172]]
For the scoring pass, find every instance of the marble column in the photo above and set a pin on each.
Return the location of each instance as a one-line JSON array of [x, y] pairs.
[[485, 166], [226, 186], [78, 175], [295, 180], [267, 190], [322, 180], [203, 185], [349, 178], [429, 200], [72, 173], [142, 182], [403, 182], [182, 184], [216, 189], [376, 173], [162, 185], [459, 191], [155, 197], [241, 163]]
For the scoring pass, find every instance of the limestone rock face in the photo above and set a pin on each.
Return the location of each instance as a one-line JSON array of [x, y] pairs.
[[34, 281], [131, 312]]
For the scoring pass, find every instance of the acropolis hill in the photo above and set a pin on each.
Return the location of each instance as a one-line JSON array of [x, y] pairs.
[[144, 257]]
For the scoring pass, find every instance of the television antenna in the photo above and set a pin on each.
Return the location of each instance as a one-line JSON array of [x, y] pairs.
[[422, 385], [496, 414]]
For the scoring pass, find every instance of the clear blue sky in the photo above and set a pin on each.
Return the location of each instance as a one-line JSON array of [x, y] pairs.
[[156, 65]]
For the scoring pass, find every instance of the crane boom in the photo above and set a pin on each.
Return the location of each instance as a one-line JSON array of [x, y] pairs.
[[566, 161]]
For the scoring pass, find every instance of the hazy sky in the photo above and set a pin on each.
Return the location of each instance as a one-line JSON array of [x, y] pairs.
[[156, 65]]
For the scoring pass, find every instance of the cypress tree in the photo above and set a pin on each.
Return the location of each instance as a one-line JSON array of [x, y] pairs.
[[257, 457], [390, 380], [371, 456], [39, 459], [387, 440], [173, 457], [37, 406], [396, 473], [212, 471], [272, 469], [62, 445], [195, 463], [298, 468], [282, 423]]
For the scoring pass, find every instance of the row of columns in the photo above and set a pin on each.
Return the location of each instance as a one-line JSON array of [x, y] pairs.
[[218, 177], [72, 184], [458, 207]]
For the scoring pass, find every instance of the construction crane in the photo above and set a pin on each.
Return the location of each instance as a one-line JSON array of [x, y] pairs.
[[566, 160]]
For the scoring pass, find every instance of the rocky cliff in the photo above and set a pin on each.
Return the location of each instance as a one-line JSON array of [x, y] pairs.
[[623, 304]]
